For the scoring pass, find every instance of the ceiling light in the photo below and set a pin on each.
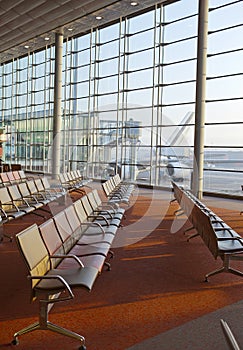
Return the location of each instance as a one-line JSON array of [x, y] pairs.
[[26, 46], [70, 29], [134, 3], [98, 18], [46, 38]]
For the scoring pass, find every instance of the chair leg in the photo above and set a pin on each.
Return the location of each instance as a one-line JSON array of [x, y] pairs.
[[44, 324], [54, 328], [2, 235], [224, 268], [192, 236], [215, 272], [108, 265], [8, 237], [32, 327], [111, 253]]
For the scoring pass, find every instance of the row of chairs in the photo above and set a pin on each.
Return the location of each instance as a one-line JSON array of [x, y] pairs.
[[118, 191], [74, 181], [13, 177], [67, 251], [221, 240], [68, 181], [25, 197]]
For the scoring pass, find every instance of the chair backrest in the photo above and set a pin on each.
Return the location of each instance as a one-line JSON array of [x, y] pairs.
[[117, 179], [79, 177], [14, 192], [187, 204], [74, 222], [23, 188], [32, 187], [82, 216], [91, 200], [113, 182], [45, 183], [5, 196], [22, 175], [52, 240], [39, 185], [68, 176], [105, 188], [9, 209], [177, 192], [10, 176], [34, 252], [87, 207], [96, 197], [16, 175], [79, 174], [5, 179], [207, 232], [72, 175], [62, 178], [65, 231]]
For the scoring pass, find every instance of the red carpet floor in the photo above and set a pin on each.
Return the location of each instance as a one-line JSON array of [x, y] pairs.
[[156, 283]]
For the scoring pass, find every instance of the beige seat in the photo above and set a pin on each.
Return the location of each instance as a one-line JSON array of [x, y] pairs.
[[81, 246], [31, 199], [9, 210], [11, 177], [70, 183], [21, 203], [93, 231], [91, 255], [49, 195], [24, 177], [109, 211], [16, 176], [4, 179], [104, 220], [51, 190], [40, 197], [48, 283]]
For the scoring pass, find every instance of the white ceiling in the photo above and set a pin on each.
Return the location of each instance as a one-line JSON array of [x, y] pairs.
[[29, 22]]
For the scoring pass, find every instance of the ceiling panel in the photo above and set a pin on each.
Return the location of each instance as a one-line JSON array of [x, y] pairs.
[[28, 22]]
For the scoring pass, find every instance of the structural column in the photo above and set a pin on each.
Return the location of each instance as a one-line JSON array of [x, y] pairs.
[[57, 120], [197, 181]]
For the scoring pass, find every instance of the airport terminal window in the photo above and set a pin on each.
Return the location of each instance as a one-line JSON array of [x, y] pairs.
[[129, 99], [121, 86], [223, 131], [27, 107]]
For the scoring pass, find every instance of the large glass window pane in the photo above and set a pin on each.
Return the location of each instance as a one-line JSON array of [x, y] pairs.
[[219, 112]]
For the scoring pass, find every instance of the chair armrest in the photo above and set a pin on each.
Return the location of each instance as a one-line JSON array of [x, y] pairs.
[[102, 212], [93, 224], [65, 286], [107, 207], [70, 256], [99, 216], [113, 205], [14, 206], [3, 213]]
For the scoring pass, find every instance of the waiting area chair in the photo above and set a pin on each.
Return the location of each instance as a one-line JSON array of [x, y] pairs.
[[50, 285]]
